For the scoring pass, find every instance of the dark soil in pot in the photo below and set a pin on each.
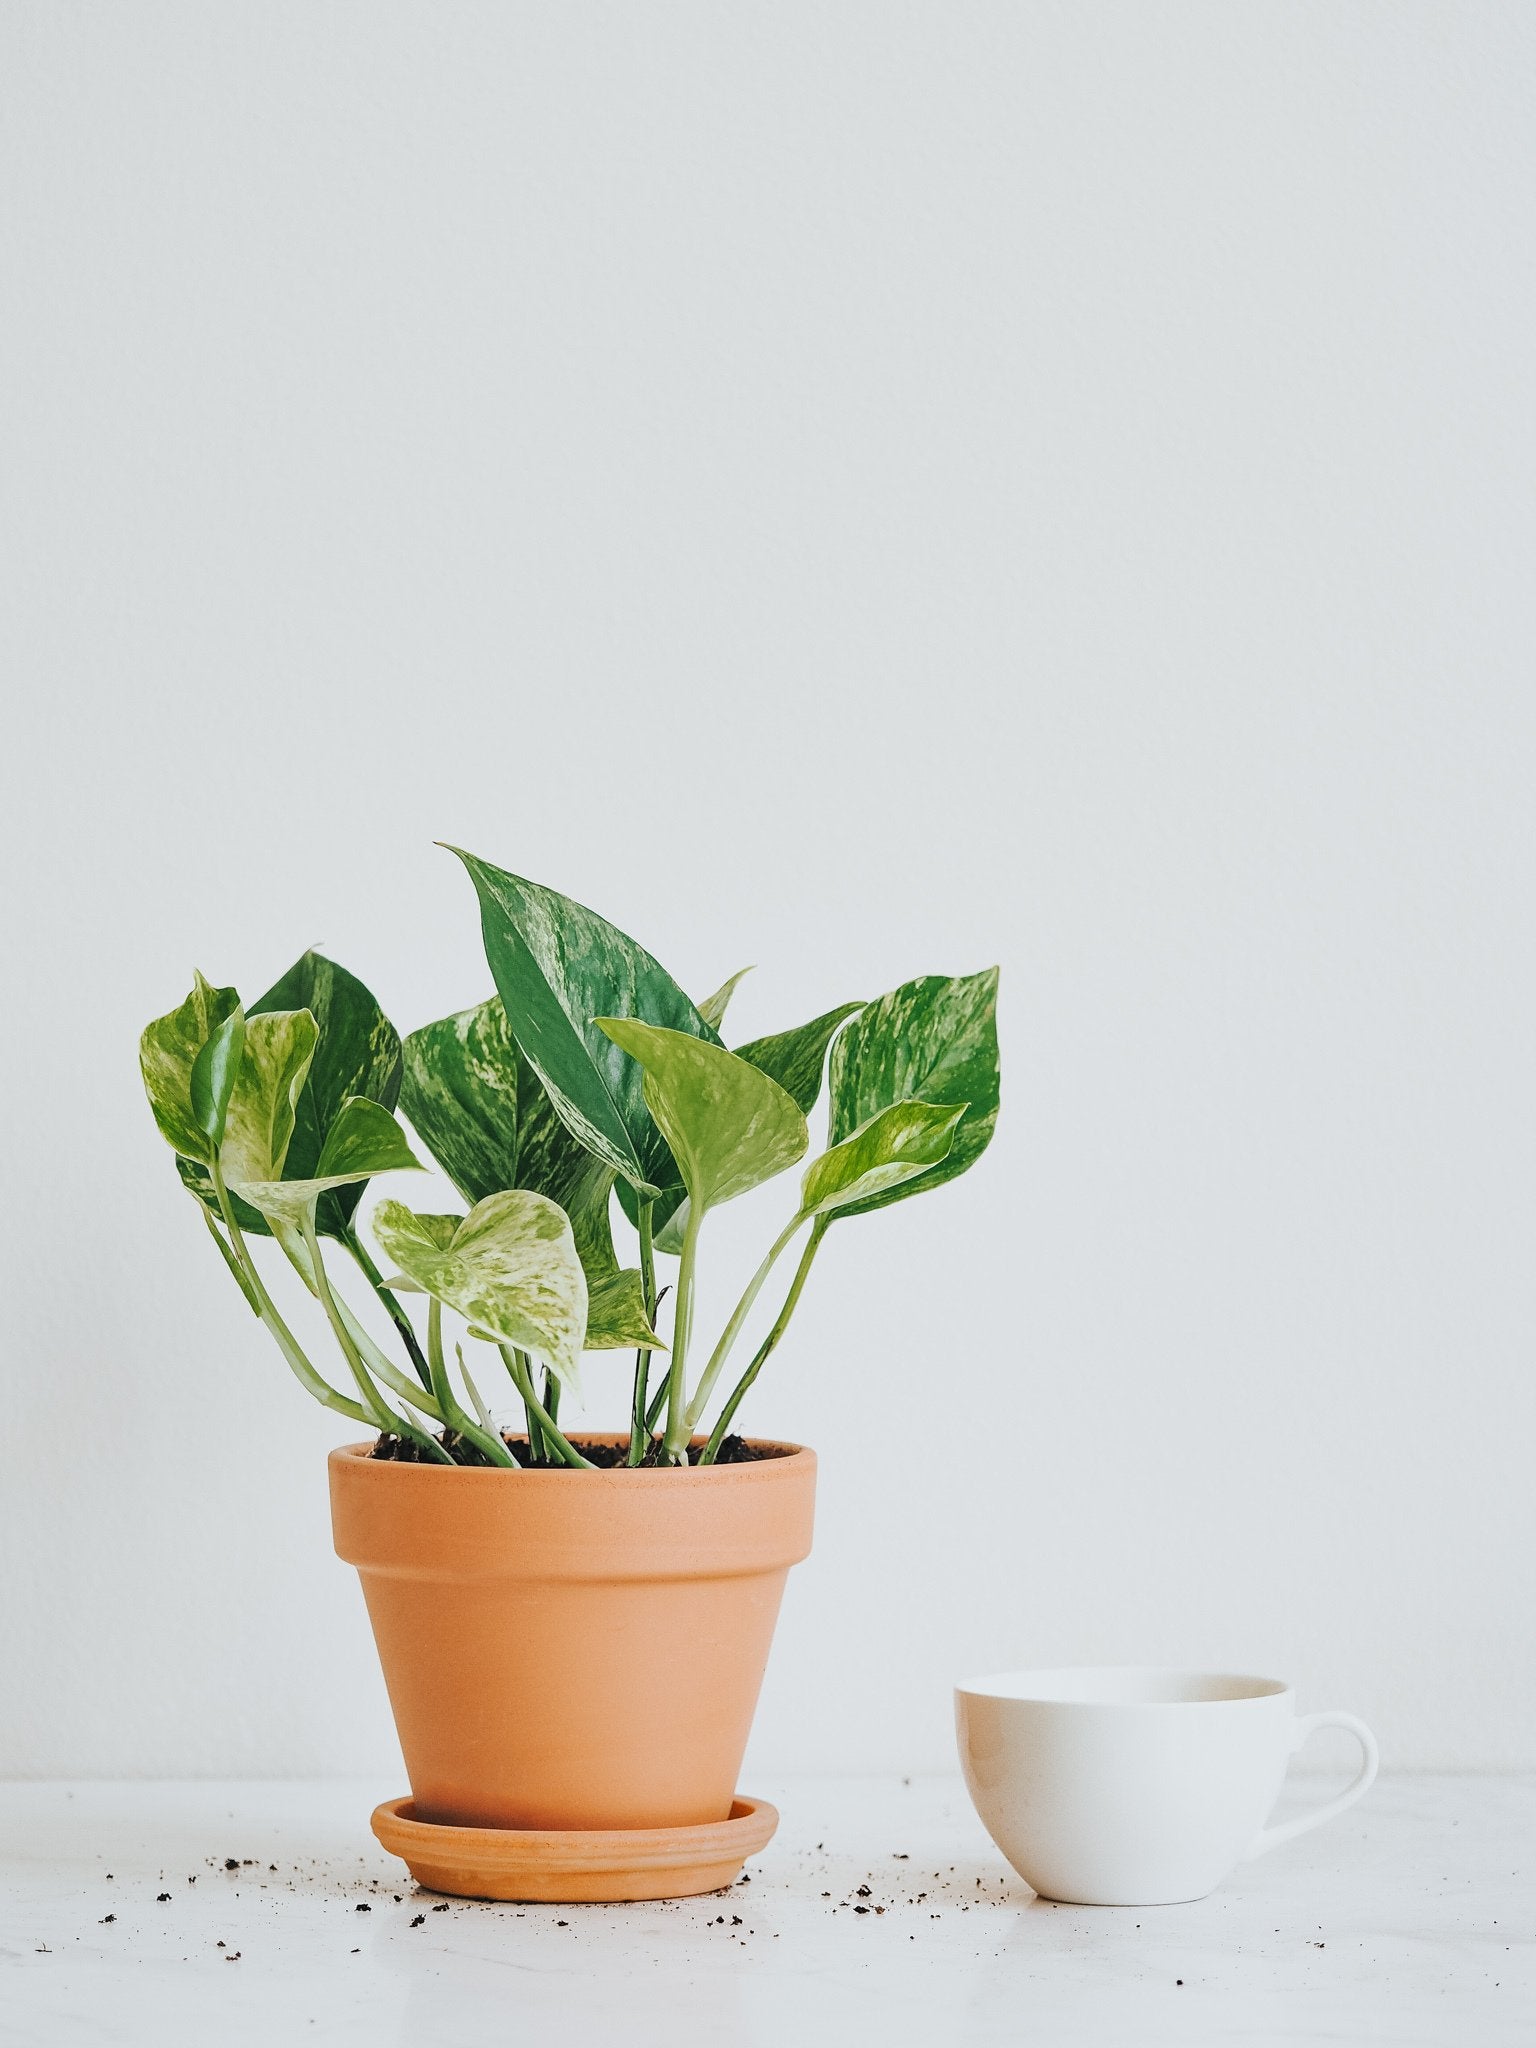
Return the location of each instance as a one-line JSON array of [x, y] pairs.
[[734, 1450]]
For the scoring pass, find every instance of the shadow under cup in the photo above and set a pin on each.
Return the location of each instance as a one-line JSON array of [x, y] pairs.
[[1128, 1786]]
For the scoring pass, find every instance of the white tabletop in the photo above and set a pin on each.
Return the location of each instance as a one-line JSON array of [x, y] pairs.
[[1409, 1921]]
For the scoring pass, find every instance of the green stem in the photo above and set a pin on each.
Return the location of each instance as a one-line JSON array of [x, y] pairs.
[[384, 1418], [739, 1314], [675, 1443], [400, 1384], [397, 1314], [477, 1398], [478, 1433], [551, 1396], [340, 1322], [266, 1308], [637, 1422], [522, 1379], [765, 1350]]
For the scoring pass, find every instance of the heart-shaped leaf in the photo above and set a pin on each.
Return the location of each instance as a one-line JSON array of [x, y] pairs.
[[510, 1268], [552, 1163], [274, 1065], [168, 1051], [796, 1059], [729, 1126], [933, 1040], [895, 1145], [489, 1123], [363, 1140], [791, 1057], [436, 1230], [357, 1053], [214, 1072], [558, 967], [459, 1087]]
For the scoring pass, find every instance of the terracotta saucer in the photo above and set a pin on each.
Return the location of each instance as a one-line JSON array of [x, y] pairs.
[[568, 1866]]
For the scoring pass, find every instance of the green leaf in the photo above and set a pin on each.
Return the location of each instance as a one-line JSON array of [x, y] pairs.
[[713, 1008], [511, 1269], [895, 1145], [438, 1230], [168, 1051], [213, 1076], [363, 1140], [357, 1054], [274, 1065], [489, 1123], [459, 1087], [551, 1162], [796, 1059], [616, 1318], [729, 1126], [674, 1227], [558, 967], [932, 1040]]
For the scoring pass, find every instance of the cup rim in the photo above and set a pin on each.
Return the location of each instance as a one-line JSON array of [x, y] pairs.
[[1113, 1688]]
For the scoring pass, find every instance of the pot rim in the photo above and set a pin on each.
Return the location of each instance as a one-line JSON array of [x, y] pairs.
[[627, 1476]]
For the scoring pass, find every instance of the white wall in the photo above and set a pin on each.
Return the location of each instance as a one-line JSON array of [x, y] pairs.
[[862, 490]]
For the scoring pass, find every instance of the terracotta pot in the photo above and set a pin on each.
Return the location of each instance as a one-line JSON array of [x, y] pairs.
[[573, 1649]]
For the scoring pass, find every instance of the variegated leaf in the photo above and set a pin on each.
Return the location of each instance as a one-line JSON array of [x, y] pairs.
[[797, 1059], [460, 1090], [168, 1050], [273, 1068], [729, 1126], [363, 1140], [214, 1072], [491, 1126], [558, 967], [896, 1145], [357, 1053], [932, 1040], [510, 1269]]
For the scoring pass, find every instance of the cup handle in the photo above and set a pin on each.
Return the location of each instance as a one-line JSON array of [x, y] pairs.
[[1270, 1838]]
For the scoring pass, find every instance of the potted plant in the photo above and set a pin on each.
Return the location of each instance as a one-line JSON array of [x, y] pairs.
[[573, 1628]]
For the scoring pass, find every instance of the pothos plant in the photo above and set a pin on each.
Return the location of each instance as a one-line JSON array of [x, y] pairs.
[[588, 1073]]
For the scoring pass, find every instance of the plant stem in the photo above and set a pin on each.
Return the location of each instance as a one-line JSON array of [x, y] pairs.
[[437, 1369], [321, 1390], [384, 1416], [373, 1400], [711, 1450], [478, 1433], [397, 1314], [399, 1383], [637, 1428], [675, 1442], [477, 1398], [739, 1314], [551, 1395], [522, 1379]]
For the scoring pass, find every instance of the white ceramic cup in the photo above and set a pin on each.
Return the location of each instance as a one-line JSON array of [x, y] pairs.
[[1129, 1787]]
